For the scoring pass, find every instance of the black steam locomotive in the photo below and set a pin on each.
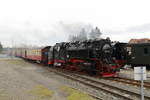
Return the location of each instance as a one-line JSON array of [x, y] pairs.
[[95, 57]]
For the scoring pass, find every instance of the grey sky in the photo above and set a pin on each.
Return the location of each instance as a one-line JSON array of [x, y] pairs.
[[45, 22]]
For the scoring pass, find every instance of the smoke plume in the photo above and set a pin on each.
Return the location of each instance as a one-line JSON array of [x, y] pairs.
[[80, 31]]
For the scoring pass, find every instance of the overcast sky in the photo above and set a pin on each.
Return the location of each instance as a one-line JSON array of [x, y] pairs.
[[45, 22]]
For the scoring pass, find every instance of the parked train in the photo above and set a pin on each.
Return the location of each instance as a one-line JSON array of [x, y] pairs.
[[138, 54], [96, 57]]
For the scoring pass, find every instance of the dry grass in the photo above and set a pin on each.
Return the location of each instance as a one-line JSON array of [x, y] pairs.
[[41, 92], [74, 94]]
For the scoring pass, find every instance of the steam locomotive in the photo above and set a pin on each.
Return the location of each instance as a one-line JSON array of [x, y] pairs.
[[99, 57]]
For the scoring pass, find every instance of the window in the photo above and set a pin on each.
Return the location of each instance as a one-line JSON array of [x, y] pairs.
[[129, 50], [145, 51]]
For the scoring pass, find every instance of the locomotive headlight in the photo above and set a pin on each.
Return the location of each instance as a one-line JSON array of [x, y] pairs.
[[87, 64], [57, 64]]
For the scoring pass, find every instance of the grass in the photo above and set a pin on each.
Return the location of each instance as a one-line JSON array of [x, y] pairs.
[[42, 92], [74, 94]]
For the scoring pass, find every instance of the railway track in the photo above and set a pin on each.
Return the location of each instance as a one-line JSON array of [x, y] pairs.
[[129, 81], [102, 86]]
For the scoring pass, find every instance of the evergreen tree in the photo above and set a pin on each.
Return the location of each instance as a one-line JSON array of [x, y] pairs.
[[95, 33], [1, 47], [82, 36], [78, 37]]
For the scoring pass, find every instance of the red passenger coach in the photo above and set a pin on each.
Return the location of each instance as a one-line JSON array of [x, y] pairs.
[[37, 54], [18, 52], [24, 53], [34, 54]]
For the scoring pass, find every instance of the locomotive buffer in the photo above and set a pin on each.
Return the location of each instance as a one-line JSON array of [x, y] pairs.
[[140, 74]]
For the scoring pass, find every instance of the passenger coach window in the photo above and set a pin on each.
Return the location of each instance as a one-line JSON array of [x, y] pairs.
[[145, 51]]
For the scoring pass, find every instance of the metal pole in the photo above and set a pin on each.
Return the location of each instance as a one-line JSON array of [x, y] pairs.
[[142, 83]]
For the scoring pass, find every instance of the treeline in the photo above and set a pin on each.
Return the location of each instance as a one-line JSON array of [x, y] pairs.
[[1, 47], [84, 35]]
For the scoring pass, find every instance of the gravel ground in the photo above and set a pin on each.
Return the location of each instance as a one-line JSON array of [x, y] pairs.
[[99, 93], [20, 80], [129, 73]]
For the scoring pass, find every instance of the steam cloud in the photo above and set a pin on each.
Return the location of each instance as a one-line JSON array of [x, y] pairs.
[[80, 31]]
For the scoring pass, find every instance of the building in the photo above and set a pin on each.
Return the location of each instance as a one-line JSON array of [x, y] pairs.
[[144, 40]]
